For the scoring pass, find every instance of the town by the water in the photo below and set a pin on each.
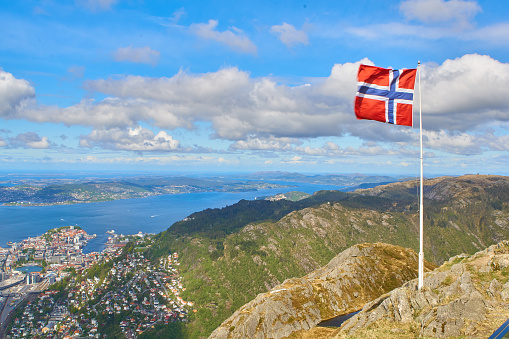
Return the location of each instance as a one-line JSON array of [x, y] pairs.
[[51, 289]]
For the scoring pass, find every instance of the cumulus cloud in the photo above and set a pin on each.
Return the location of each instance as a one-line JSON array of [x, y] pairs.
[[133, 139], [460, 95], [289, 35], [465, 93], [465, 144], [235, 104], [142, 55], [109, 113], [30, 140], [233, 37], [3, 143], [457, 143], [13, 92], [459, 12]]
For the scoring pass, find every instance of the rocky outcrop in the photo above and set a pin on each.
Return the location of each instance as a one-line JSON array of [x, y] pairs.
[[357, 275], [466, 296]]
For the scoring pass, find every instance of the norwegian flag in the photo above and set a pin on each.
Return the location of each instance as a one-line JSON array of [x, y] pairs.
[[385, 95]]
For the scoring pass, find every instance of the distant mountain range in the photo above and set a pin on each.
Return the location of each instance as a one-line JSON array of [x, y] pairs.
[[230, 255], [350, 181]]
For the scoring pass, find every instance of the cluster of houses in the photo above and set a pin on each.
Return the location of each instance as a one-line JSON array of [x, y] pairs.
[[48, 318], [133, 296], [59, 250], [56, 246]]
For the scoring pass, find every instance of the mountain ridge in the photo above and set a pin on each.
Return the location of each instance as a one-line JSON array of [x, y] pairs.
[[225, 266], [344, 285]]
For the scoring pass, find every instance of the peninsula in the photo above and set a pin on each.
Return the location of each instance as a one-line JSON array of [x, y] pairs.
[[60, 191]]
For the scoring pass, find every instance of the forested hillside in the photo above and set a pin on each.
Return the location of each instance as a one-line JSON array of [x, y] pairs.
[[230, 255]]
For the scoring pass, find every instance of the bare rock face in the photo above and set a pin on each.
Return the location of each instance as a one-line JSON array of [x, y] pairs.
[[467, 296], [354, 277]]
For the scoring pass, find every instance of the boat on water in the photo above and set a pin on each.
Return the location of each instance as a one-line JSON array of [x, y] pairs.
[[111, 232]]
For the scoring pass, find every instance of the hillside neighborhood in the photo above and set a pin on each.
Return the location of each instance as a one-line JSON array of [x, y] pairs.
[[123, 290]]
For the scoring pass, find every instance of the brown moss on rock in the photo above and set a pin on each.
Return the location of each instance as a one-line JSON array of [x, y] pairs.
[[463, 298]]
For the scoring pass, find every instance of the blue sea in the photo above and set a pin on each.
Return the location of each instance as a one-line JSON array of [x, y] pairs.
[[129, 216]]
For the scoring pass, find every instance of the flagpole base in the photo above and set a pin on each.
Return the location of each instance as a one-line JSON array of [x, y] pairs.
[[421, 270]]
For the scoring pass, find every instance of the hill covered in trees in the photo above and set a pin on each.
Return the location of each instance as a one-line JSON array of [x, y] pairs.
[[230, 255]]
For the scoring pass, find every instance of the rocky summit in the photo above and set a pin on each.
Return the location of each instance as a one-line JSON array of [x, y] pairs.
[[352, 278], [466, 296]]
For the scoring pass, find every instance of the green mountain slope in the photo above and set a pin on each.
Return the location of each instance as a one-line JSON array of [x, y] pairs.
[[230, 255], [351, 279]]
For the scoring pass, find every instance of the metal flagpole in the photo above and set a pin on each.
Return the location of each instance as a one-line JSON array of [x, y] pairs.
[[421, 213]]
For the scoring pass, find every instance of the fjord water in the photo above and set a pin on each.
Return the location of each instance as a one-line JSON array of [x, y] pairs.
[[129, 216]]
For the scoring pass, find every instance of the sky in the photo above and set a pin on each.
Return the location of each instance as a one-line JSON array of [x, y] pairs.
[[245, 86]]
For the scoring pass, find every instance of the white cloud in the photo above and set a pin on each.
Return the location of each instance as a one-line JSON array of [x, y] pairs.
[[374, 131], [143, 160], [30, 140], [465, 93], [138, 139], [12, 94], [402, 34], [314, 151], [296, 160], [179, 13], [265, 144], [496, 34], [437, 19], [457, 143], [40, 144], [235, 104], [459, 12], [289, 35], [342, 81], [464, 143], [3, 143], [260, 114], [109, 113], [143, 55], [396, 31], [233, 38]]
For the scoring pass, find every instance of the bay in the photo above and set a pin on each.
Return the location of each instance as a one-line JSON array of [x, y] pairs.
[[130, 216]]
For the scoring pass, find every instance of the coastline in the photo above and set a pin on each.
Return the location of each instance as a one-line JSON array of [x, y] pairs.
[[152, 214]]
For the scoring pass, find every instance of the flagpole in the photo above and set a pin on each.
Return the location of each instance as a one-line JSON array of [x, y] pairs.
[[421, 205]]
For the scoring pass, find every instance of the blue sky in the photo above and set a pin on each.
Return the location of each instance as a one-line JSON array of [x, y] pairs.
[[227, 86]]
